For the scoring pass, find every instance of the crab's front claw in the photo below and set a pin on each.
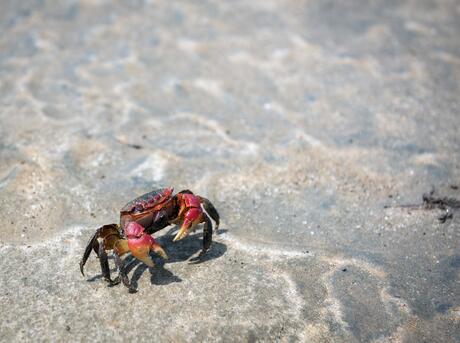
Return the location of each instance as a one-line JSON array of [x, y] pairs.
[[140, 244], [192, 218], [159, 250], [183, 232]]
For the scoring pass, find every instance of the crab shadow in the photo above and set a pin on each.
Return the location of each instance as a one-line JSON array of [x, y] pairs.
[[189, 246], [187, 249]]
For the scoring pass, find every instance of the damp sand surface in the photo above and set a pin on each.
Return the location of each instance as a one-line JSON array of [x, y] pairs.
[[306, 123]]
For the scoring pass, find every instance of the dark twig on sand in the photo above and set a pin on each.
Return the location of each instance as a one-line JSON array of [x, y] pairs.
[[433, 202], [442, 203]]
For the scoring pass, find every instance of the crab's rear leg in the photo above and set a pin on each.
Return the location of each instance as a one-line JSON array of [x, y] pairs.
[[102, 233], [211, 210], [120, 248], [92, 244], [207, 235]]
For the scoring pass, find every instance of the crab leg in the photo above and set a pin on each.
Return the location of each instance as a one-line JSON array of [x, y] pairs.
[[107, 231], [209, 207], [104, 263], [121, 272], [120, 248], [207, 235], [90, 246]]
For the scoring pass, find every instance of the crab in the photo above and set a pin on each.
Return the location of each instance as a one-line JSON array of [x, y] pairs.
[[142, 217]]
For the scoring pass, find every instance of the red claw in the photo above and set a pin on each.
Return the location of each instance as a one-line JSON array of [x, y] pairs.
[[133, 230], [191, 200], [140, 243], [192, 214]]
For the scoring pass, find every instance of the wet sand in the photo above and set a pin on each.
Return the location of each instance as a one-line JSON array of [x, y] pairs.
[[306, 123]]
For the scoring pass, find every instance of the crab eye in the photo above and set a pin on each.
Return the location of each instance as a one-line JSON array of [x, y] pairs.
[[138, 207]]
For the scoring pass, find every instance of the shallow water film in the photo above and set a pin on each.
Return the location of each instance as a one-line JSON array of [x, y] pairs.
[[310, 125]]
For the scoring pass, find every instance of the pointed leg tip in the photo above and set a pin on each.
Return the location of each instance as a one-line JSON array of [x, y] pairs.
[[203, 252], [114, 282]]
